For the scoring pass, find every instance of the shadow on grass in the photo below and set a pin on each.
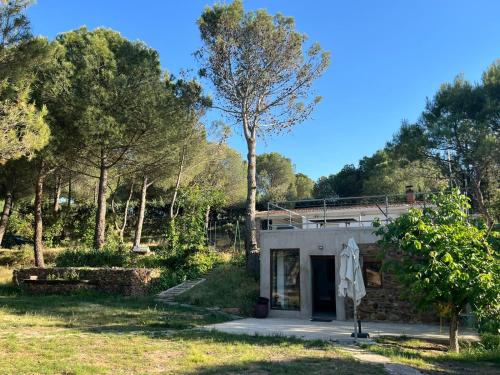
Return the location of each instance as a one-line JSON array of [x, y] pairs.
[[94, 313], [104, 314], [98, 313], [472, 358], [303, 365], [235, 339]]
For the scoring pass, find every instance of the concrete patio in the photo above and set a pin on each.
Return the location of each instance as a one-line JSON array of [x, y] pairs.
[[339, 331]]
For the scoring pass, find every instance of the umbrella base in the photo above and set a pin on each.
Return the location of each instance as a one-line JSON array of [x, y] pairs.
[[361, 335]]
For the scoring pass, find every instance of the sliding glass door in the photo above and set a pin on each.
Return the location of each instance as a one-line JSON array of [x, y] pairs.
[[285, 279]]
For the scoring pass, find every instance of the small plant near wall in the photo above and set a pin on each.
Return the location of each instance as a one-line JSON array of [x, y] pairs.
[[71, 275]]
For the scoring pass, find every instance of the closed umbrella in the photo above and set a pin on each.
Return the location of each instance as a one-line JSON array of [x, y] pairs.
[[351, 278]]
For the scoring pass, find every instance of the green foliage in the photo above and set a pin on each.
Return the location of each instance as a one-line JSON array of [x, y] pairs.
[[186, 255], [178, 268], [16, 177], [491, 341], [275, 177], [346, 183], [263, 56], [488, 317], [219, 288], [187, 231], [222, 169], [382, 173], [303, 187], [78, 221], [23, 128], [21, 222], [81, 222], [81, 257], [444, 259], [52, 230], [459, 131], [23, 256]]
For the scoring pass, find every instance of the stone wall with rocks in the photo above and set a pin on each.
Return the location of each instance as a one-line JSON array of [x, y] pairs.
[[124, 281], [389, 302]]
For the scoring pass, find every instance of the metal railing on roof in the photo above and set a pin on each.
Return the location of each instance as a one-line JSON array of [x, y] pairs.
[[296, 214]]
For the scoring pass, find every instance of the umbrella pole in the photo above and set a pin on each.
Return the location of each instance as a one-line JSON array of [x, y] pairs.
[[354, 300]]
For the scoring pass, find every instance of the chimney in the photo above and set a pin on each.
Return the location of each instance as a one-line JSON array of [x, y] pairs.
[[410, 194]]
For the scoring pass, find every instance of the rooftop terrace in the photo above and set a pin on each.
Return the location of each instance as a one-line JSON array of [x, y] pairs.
[[339, 212]]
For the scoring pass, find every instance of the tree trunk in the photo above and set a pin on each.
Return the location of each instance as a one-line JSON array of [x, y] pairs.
[[125, 213], [207, 218], [57, 194], [38, 240], [100, 221], [478, 194], [454, 347], [178, 182], [251, 247], [96, 192], [142, 210], [70, 192], [7, 206]]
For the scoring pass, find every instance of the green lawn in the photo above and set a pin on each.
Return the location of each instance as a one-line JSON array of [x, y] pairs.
[[115, 335], [433, 356]]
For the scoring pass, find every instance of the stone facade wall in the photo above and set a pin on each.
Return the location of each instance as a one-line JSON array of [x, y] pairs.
[[124, 281], [388, 302]]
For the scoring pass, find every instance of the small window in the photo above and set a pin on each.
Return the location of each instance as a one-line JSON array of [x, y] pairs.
[[372, 273], [285, 279]]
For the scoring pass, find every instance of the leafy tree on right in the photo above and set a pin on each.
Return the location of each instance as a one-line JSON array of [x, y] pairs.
[[444, 259], [459, 132]]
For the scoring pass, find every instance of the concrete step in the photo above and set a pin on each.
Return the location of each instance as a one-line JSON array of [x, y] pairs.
[[170, 294]]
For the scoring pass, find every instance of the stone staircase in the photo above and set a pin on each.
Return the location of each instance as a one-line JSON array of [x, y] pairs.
[[170, 294]]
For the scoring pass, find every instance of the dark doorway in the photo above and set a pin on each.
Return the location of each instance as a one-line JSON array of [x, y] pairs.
[[323, 286]]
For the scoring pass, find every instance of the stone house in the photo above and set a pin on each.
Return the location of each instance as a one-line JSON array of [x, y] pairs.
[[300, 245]]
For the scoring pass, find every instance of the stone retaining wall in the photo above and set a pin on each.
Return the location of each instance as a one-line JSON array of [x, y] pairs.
[[124, 281], [390, 301]]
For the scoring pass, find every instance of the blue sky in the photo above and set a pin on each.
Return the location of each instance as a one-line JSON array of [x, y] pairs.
[[387, 57]]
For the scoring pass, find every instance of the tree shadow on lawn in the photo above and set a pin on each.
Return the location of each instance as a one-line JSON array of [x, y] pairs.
[[432, 352], [302, 365], [98, 313], [260, 340], [318, 359]]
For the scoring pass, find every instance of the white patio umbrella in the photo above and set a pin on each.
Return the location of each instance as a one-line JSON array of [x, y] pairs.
[[351, 278]]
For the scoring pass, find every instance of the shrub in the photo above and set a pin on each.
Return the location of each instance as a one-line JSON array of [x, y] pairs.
[[152, 260], [81, 222], [177, 269], [228, 285], [21, 224], [81, 257], [52, 230], [489, 320], [201, 262], [490, 341]]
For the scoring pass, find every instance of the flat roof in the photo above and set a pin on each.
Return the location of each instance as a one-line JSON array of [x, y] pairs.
[[339, 209]]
